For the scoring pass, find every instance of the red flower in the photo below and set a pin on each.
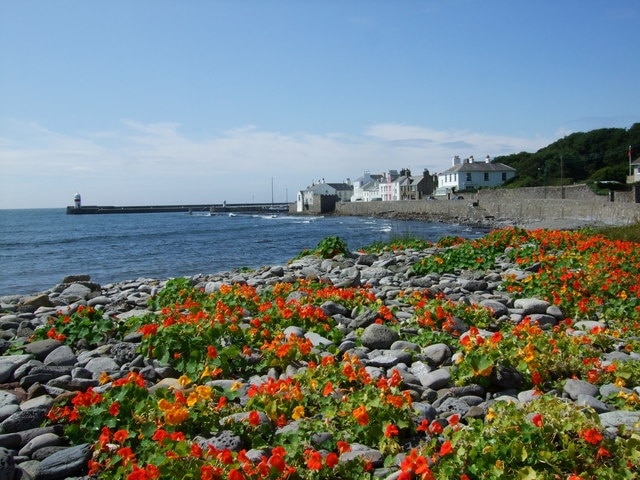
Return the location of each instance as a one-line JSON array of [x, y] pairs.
[[537, 420], [603, 453], [235, 474], [592, 436], [435, 428], [114, 409], [314, 460], [212, 352], [343, 446], [254, 418], [361, 415], [328, 388], [391, 431], [331, 460], [120, 436], [126, 454], [446, 448]]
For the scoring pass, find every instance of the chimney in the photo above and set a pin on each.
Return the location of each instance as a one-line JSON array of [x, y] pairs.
[[456, 160], [487, 159], [471, 159]]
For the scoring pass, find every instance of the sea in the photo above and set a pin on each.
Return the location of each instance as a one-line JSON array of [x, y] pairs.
[[39, 247]]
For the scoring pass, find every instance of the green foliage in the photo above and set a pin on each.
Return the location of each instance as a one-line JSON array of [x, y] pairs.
[[591, 155], [328, 247], [176, 290], [547, 438], [403, 243], [86, 324]]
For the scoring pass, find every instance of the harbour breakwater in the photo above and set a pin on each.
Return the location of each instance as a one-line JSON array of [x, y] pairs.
[[555, 206], [219, 208], [48, 372]]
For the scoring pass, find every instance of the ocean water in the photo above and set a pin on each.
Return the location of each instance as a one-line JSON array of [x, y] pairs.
[[39, 247]]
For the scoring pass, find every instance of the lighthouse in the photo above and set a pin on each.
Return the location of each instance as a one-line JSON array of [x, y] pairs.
[[77, 201]]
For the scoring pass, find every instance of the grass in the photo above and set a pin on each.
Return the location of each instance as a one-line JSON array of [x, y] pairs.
[[628, 233]]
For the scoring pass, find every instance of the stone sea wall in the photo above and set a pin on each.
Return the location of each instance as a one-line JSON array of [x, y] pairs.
[[519, 206]]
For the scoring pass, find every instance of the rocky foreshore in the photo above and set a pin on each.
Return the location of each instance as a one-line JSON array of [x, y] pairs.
[[49, 371]]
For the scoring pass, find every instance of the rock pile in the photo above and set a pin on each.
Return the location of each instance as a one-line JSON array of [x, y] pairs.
[[48, 371]]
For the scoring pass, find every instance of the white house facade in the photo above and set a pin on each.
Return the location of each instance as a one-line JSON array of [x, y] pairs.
[[365, 188], [469, 174], [635, 171], [305, 198]]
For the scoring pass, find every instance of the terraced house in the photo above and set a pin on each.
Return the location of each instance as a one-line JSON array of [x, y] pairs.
[[467, 174]]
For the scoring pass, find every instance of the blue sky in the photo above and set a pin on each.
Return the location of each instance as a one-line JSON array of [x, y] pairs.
[[148, 102]]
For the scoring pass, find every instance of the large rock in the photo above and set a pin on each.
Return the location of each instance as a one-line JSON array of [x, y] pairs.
[[377, 336], [69, 462]]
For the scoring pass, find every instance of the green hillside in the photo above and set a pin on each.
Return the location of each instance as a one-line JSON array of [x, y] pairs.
[[595, 156]]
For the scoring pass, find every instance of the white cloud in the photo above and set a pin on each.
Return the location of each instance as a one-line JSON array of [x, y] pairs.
[[151, 163]]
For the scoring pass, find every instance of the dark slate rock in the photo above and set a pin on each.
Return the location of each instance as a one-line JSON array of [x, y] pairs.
[[619, 418], [331, 308], [68, 462], [435, 380], [42, 374], [365, 453], [506, 377], [588, 401], [37, 301], [531, 305], [225, 439], [123, 352], [61, 356], [7, 465], [498, 309], [377, 336], [76, 278], [437, 354], [23, 420], [574, 388], [41, 348]]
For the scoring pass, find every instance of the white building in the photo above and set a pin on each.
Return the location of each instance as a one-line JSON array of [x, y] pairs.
[[306, 198], [468, 174], [635, 171], [365, 188]]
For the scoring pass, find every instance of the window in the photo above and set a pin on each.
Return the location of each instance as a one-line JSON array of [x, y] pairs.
[[504, 176], [486, 176], [468, 176]]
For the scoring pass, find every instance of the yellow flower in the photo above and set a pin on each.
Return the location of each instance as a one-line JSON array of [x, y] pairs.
[[184, 381], [623, 295], [235, 386], [298, 412], [528, 353], [490, 415], [206, 372], [192, 399], [104, 378], [619, 382], [176, 416], [204, 392], [499, 464], [164, 405]]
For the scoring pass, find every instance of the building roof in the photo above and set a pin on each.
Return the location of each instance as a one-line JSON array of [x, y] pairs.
[[479, 167], [341, 186]]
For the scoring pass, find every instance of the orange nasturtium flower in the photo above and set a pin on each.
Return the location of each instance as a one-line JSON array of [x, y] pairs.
[[361, 415]]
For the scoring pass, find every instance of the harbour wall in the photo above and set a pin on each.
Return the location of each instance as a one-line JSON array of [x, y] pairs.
[[522, 205]]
